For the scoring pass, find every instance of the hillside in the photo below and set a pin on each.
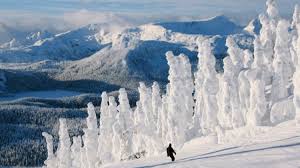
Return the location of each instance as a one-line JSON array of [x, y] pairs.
[[264, 147]]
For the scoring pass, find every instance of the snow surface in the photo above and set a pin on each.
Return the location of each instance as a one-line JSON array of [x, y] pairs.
[[267, 147]]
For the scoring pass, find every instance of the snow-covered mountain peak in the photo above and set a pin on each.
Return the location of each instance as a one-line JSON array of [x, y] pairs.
[[219, 25]]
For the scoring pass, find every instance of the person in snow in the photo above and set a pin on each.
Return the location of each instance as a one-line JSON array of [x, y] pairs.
[[170, 152]]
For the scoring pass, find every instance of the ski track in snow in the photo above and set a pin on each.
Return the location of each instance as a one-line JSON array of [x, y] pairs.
[[279, 148]]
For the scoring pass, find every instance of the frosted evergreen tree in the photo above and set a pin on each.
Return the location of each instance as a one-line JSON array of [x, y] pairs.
[[139, 133], [258, 61], [282, 64], [156, 107], [273, 14], [51, 158], [210, 87], [258, 104], [244, 84], [188, 85], [91, 137], [237, 56], [248, 59], [75, 152], [104, 104], [272, 9], [296, 77], [176, 97], [83, 157], [199, 102], [256, 77], [126, 125], [156, 104], [146, 104], [296, 81], [64, 151], [139, 116], [164, 120], [226, 87], [267, 38], [117, 132], [296, 17], [107, 119], [295, 34]]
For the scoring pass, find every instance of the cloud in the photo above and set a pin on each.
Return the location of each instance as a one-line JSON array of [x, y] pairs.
[[84, 17], [69, 14]]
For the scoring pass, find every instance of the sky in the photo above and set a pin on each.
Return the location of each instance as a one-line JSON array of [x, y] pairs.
[[65, 14]]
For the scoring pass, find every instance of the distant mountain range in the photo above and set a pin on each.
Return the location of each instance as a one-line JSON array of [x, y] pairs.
[[120, 59]]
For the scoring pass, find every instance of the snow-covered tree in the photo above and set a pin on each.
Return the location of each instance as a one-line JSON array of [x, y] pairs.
[[150, 119], [64, 151], [139, 132], [91, 137], [178, 94], [164, 126], [296, 100], [116, 140], [146, 104], [51, 158], [258, 105], [104, 104], [227, 97], [282, 64], [156, 104], [244, 84], [237, 56], [126, 125], [296, 17], [207, 83], [272, 9], [107, 119], [199, 102], [75, 152], [188, 87], [295, 35], [257, 79]]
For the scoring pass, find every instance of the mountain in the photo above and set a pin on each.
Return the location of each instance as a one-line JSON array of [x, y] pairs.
[[219, 25], [138, 54], [71, 45], [6, 33], [12, 38], [121, 58]]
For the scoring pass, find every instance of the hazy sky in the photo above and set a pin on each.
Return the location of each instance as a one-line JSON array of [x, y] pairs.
[[66, 13]]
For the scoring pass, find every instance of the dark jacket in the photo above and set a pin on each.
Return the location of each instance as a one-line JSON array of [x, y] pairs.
[[170, 151]]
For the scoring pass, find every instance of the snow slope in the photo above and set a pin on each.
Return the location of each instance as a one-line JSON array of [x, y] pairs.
[[256, 147]]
